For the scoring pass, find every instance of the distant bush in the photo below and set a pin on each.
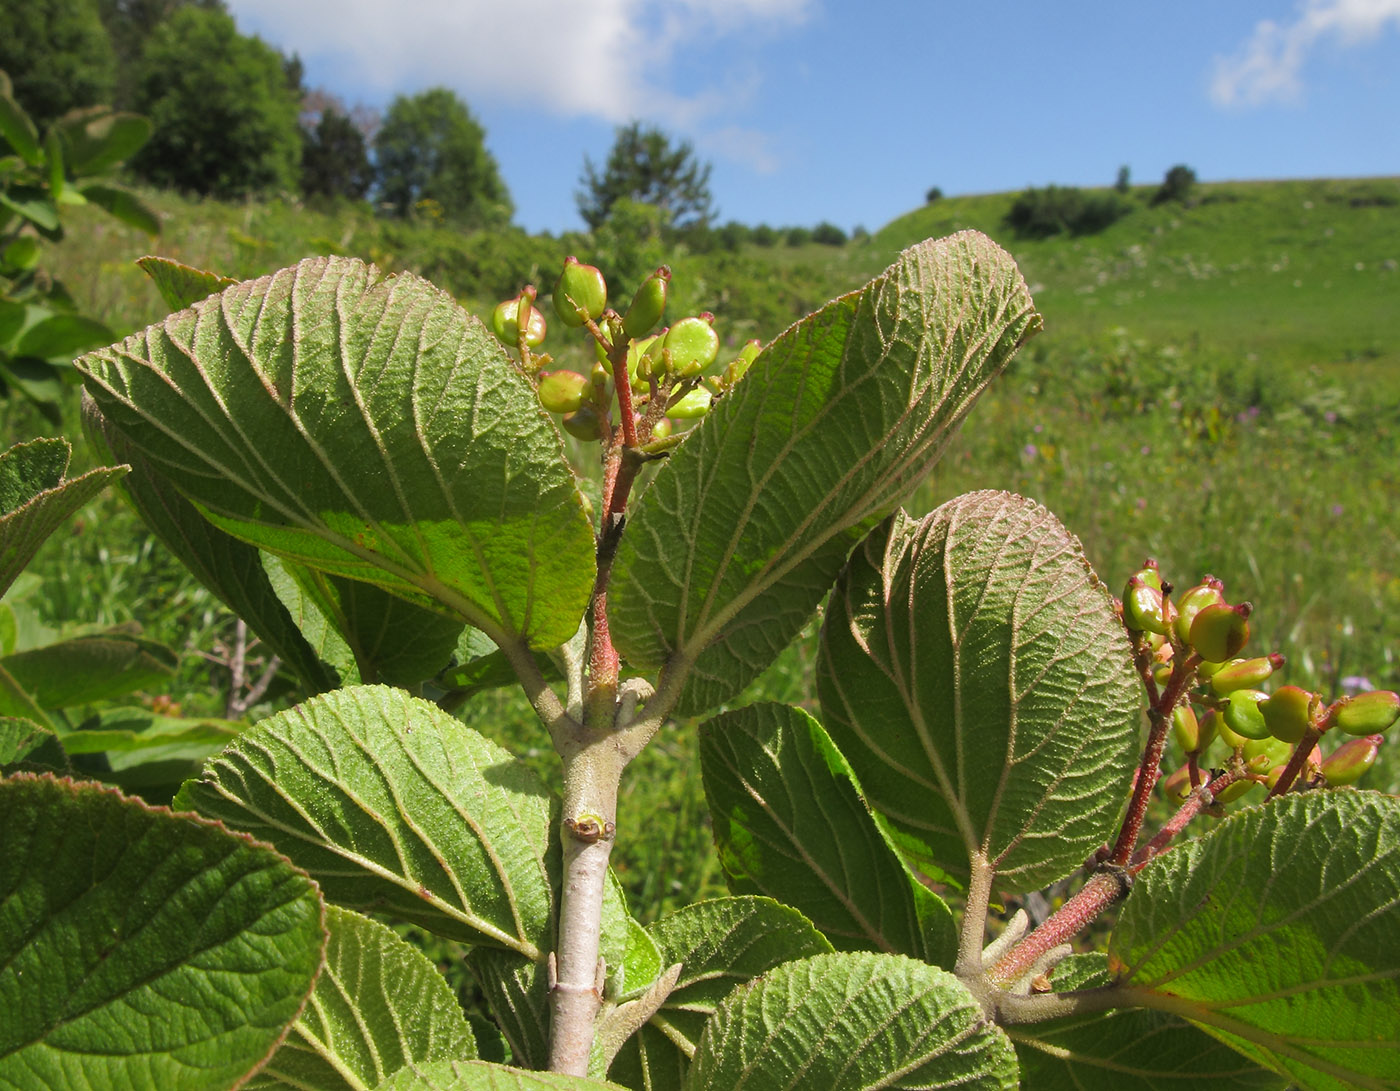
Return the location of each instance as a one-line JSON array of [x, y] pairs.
[[731, 236], [763, 235], [1177, 185], [1123, 183], [934, 194], [798, 236], [1063, 210], [828, 234]]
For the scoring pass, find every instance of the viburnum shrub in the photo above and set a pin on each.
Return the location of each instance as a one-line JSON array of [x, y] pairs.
[[379, 487]]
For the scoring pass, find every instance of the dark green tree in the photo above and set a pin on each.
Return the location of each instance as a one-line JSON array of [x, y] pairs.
[[129, 24], [1177, 185], [430, 148], [334, 157], [57, 54], [645, 166], [224, 111]]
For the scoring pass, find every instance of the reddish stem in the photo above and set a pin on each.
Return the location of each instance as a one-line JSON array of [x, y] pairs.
[[1201, 798], [1104, 888], [1301, 753]]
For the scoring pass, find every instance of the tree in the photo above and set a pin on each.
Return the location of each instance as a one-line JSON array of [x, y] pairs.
[[129, 24], [430, 148], [1176, 185], [225, 115], [334, 158], [58, 55], [644, 166]]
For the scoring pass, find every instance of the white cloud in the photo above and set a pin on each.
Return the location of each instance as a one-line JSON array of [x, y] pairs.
[[607, 59], [1268, 65]]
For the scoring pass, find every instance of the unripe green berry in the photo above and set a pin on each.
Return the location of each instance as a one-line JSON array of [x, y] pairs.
[[1242, 715], [1349, 762], [648, 304], [693, 345], [1367, 713], [1232, 792], [505, 321], [664, 427], [696, 403], [584, 423], [1190, 602], [1220, 630], [1142, 607], [563, 391], [1289, 713], [580, 293], [1261, 755], [1176, 786], [1244, 673]]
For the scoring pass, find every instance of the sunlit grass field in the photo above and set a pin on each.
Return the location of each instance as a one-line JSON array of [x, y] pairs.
[[1217, 386]]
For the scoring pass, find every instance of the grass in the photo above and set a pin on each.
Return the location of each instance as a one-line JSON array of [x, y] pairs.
[[1218, 386]]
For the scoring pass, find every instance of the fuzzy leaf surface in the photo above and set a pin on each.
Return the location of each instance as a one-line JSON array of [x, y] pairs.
[[847, 1022], [1276, 932], [790, 822], [1147, 1050], [368, 427], [140, 948], [394, 806], [379, 1005], [744, 529], [483, 1076], [91, 667], [973, 672]]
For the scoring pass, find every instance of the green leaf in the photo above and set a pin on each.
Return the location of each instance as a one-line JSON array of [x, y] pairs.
[[33, 203], [18, 130], [746, 526], [1276, 932], [368, 427], [517, 993], [140, 948], [483, 1076], [231, 569], [62, 336], [134, 729], [1106, 1051], [24, 744], [852, 1021], [182, 285], [790, 822], [99, 138], [974, 673], [394, 806], [379, 1005], [96, 667], [35, 502], [23, 253], [125, 206], [480, 665], [720, 945]]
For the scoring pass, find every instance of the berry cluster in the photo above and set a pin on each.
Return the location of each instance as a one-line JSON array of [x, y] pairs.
[[1188, 651], [665, 371]]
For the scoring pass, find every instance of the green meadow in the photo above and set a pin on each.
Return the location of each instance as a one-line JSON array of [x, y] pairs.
[[1217, 386]]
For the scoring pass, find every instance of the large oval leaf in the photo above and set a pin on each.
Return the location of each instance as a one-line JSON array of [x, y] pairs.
[[848, 1022], [743, 531], [973, 672], [1279, 932], [366, 426], [482, 1076], [140, 948], [393, 805], [379, 1005]]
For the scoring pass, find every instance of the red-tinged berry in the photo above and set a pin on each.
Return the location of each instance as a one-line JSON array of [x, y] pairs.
[[648, 304], [1289, 712], [1189, 603], [1367, 713], [1349, 762], [1220, 630], [506, 319], [1142, 607], [1176, 786], [563, 391], [1245, 673], [580, 294], [664, 427]]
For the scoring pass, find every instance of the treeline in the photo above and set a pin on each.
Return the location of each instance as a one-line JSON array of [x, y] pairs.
[[1068, 210]]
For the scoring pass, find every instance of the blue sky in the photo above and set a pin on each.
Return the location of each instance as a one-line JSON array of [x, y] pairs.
[[815, 110]]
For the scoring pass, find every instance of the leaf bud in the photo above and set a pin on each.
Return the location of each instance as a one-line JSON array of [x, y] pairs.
[[1244, 673], [584, 423], [648, 304], [562, 391], [1289, 712], [1367, 713], [693, 345], [1142, 606], [1189, 604], [580, 293], [1347, 763], [1220, 630], [695, 403], [1242, 716]]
